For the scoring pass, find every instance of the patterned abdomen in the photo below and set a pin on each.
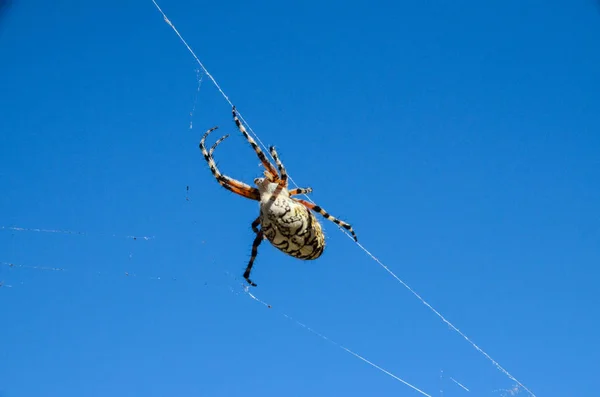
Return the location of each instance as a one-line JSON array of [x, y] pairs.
[[292, 228]]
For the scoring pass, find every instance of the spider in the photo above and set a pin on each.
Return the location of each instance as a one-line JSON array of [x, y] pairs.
[[285, 221]]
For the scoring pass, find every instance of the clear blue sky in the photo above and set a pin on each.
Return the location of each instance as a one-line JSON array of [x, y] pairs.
[[461, 140]]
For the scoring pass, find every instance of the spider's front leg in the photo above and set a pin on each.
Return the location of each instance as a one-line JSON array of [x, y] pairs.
[[221, 139], [255, 244], [228, 183], [283, 180], [261, 156]]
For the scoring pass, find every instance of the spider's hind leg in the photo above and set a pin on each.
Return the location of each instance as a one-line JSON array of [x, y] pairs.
[[321, 211], [255, 244], [300, 190]]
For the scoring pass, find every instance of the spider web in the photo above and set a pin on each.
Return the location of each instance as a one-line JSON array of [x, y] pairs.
[[171, 278], [365, 250]]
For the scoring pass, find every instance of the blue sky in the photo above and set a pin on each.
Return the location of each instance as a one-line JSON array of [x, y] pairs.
[[460, 139]]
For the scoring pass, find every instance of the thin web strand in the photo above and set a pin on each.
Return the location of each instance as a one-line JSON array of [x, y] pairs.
[[199, 78], [306, 327], [452, 326], [71, 232], [460, 384], [13, 265], [232, 290], [17, 265], [496, 364]]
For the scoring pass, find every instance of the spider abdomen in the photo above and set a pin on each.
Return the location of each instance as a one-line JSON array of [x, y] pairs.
[[291, 228]]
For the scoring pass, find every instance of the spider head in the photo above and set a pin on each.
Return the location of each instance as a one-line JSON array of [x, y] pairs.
[[266, 187], [270, 177], [263, 184]]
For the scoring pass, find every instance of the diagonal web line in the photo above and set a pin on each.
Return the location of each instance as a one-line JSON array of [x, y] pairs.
[[245, 289], [306, 327], [460, 384], [210, 76], [496, 364]]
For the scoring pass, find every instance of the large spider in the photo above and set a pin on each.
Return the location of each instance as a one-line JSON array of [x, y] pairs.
[[284, 220]]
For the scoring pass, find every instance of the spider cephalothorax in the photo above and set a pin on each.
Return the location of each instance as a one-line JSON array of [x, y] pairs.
[[285, 221]]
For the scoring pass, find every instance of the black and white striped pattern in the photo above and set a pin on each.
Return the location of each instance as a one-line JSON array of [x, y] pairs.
[[291, 227], [283, 180], [263, 159]]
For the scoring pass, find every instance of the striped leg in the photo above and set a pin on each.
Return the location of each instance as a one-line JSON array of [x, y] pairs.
[[300, 190], [259, 153], [283, 181], [221, 139], [255, 244], [327, 216], [228, 183], [210, 152]]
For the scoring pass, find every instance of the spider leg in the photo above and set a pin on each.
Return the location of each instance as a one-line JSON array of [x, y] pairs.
[[259, 153], [257, 240], [228, 183], [321, 211], [243, 193], [221, 139], [300, 190], [283, 181], [210, 152], [255, 225]]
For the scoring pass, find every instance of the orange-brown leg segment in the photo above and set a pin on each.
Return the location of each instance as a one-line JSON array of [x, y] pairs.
[[242, 192], [228, 183], [321, 211], [263, 159]]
